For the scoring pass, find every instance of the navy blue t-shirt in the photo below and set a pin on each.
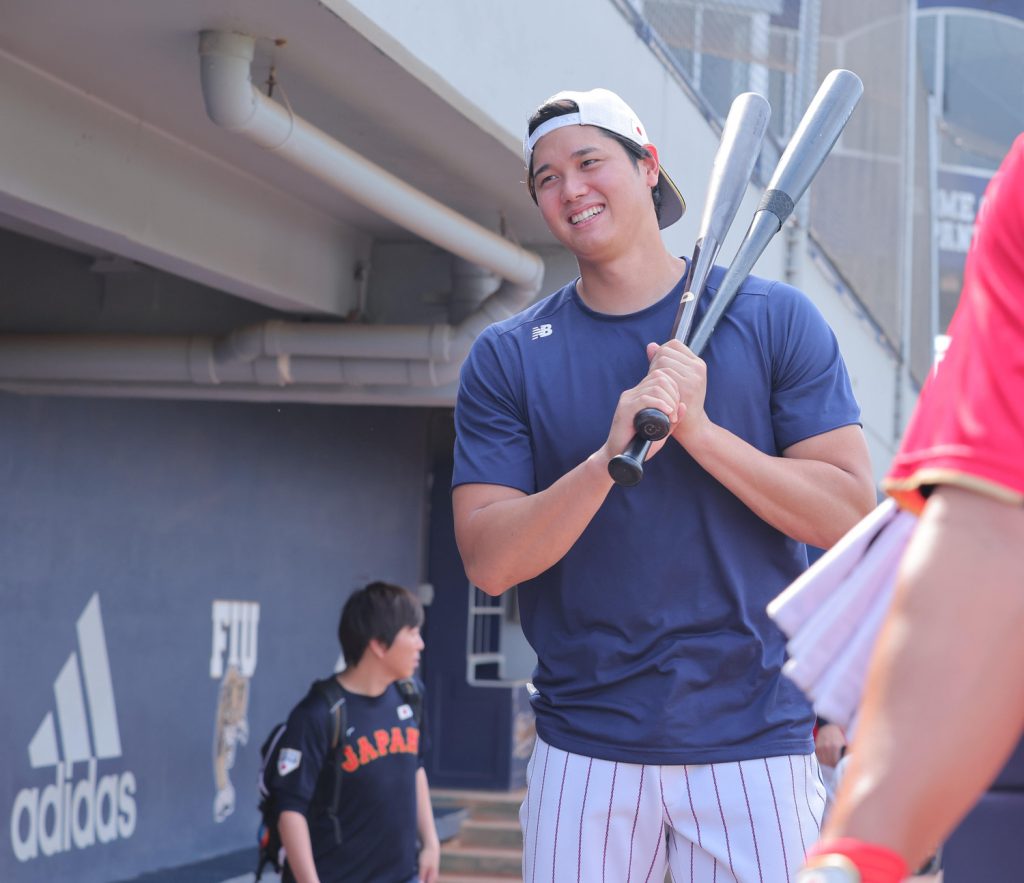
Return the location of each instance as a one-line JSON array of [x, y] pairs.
[[652, 639], [382, 751]]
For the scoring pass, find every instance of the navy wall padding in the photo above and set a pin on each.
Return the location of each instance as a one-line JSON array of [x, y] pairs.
[[158, 509], [1011, 778], [987, 847], [471, 726]]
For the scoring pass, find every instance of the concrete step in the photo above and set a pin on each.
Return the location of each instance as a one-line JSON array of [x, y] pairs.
[[448, 820], [480, 860], [477, 878], [501, 833], [488, 846], [481, 804]]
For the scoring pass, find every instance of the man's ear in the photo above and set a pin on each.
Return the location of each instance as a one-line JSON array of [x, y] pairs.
[[377, 647], [652, 165]]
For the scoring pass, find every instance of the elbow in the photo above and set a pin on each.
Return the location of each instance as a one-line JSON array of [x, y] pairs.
[[867, 499], [487, 580], [857, 510], [860, 498], [482, 569], [859, 504]]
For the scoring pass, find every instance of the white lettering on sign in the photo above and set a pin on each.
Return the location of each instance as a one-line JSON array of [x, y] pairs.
[[955, 219], [235, 630]]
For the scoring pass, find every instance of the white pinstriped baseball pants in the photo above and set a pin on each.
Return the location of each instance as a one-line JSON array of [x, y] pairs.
[[597, 821]]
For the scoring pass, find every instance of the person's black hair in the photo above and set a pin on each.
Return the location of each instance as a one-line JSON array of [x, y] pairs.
[[380, 610], [563, 106]]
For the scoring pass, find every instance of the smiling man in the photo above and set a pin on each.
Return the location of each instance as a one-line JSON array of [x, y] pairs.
[[660, 703]]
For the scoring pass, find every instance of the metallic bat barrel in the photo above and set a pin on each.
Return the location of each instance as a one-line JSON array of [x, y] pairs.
[[733, 165], [814, 138], [730, 173]]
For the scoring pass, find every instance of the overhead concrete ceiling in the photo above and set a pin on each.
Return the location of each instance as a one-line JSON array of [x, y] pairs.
[[141, 60]]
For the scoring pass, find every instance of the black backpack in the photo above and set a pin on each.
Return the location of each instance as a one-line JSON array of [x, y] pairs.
[[271, 850]]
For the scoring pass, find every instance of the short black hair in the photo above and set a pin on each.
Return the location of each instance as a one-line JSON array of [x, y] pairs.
[[380, 610], [563, 106]]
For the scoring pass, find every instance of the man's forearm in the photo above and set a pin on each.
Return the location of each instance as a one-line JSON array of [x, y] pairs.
[[511, 540], [959, 589], [294, 831], [811, 500]]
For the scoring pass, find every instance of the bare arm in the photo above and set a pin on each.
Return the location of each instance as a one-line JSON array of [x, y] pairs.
[[430, 846], [947, 663], [815, 492], [506, 536], [829, 744], [294, 831]]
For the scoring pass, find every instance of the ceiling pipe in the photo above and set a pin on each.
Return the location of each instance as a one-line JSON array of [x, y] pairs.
[[272, 354], [371, 354], [235, 104], [296, 361], [471, 284], [426, 397]]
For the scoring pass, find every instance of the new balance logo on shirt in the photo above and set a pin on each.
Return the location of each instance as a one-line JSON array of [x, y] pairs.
[[77, 814], [541, 331]]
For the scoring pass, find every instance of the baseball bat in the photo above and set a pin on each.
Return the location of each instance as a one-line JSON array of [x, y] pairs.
[[822, 123], [733, 165], [824, 120]]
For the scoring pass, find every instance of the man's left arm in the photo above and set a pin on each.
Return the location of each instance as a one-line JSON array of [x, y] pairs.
[[430, 846], [815, 492], [822, 484]]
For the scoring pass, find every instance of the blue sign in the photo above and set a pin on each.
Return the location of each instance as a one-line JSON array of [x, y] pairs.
[[957, 201], [1000, 7]]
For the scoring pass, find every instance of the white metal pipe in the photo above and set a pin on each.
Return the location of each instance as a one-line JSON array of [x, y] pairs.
[[441, 397], [266, 356], [99, 357], [55, 358], [233, 102], [277, 337], [471, 285], [904, 380]]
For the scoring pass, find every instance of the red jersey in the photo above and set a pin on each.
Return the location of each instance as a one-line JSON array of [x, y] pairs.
[[968, 426]]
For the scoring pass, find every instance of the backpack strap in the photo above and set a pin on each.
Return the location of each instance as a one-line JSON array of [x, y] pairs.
[[412, 692], [413, 696], [334, 696]]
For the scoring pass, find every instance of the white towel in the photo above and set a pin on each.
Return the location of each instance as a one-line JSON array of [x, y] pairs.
[[832, 613]]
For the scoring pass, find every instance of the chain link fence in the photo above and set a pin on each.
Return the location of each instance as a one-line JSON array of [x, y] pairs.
[[894, 205]]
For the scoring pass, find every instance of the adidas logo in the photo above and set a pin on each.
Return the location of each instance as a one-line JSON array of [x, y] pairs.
[[77, 814]]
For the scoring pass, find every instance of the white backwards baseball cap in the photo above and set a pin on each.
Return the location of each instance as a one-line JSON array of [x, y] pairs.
[[603, 108]]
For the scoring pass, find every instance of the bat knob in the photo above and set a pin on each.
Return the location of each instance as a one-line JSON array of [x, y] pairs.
[[651, 424], [627, 468]]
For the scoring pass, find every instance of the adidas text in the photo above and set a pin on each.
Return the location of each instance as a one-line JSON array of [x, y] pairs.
[[70, 814]]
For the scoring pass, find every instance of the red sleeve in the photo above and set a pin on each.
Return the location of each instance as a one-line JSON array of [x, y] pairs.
[[968, 426]]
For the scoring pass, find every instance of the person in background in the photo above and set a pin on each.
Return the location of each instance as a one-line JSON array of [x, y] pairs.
[[381, 828]]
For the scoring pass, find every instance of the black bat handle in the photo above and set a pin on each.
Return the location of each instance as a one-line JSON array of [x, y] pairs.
[[652, 424], [627, 468]]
